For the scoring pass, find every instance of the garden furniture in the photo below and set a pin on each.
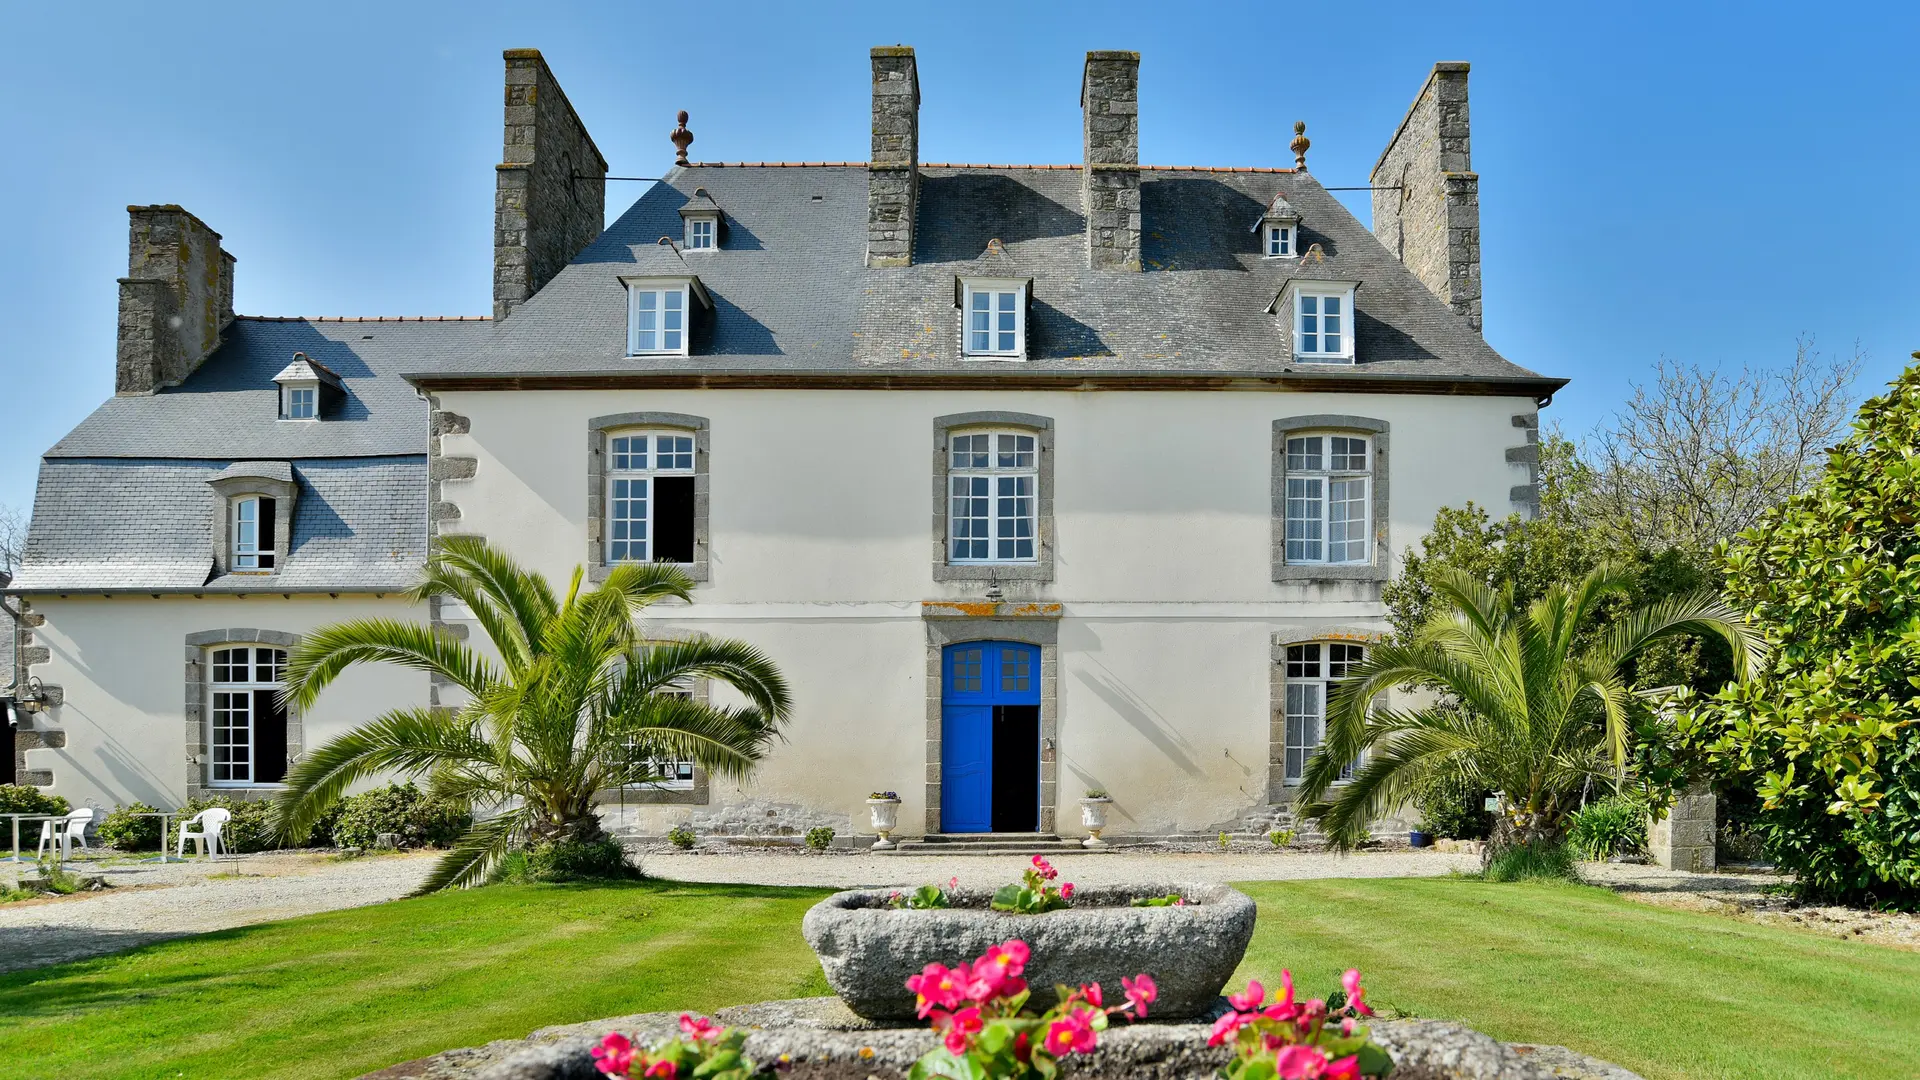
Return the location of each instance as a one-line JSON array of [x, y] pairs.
[[166, 820], [207, 840], [16, 857], [61, 832]]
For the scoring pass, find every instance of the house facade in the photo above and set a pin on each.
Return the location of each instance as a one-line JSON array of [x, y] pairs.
[[1032, 479]]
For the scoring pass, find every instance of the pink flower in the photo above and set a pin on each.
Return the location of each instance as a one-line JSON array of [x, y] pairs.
[[1066, 891], [1283, 1008], [1044, 868], [1356, 995], [1347, 1068], [1225, 1027], [1091, 991], [700, 1029], [1008, 959], [1300, 1063], [1140, 992], [1072, 1034], [1179, 901], [614, 1055], [960, 1028], [664, 1070], [936, 987], [1250, 1000], [953, 882]]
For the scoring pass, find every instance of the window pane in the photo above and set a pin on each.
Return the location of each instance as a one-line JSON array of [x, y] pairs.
[[630, 452], [968, 670], [1349, 454], [1330, 305], [1016, 669], [673, 452], [1347, 521], [1303, 519], [1309, 304], [627, 520], [1303, 454]]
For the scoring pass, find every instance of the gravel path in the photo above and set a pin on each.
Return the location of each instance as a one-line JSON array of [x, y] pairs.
[[150, 901]]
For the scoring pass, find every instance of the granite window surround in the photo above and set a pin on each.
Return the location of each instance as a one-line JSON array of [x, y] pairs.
[[1376, 569], [1041, 568], [599, 430], [273, 479], [1010, 622], [1279, 791], [199, 750]]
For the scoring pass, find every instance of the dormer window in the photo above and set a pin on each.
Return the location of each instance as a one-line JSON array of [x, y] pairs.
[[252, 530], [1279, 229], [300, 402], [1321, 313], [660, 314], [706, 224], [309, 390], [1279, 241], [995, 319], [700, 233]]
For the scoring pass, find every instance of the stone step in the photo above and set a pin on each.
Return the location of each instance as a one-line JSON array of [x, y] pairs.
[[987, 844]]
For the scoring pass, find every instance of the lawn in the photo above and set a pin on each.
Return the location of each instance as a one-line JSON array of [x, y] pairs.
[[1667, 993]]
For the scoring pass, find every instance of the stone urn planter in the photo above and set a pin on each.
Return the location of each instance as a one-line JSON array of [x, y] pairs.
[[1093, 815], [868, 948], [884, 815]]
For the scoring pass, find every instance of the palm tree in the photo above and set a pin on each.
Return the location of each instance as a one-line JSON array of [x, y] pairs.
[[1517, 708], [577, 702]]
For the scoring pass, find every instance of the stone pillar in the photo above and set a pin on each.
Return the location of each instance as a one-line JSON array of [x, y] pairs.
[[176, 299], [1430, 213], [1683, 839], [1110, 180], [542, 215], [893, 171]]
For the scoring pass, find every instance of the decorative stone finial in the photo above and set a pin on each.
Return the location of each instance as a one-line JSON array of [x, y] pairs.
[[1299, 145], [682, 138]]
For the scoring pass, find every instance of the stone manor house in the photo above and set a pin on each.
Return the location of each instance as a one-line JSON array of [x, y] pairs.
[[1033, 479]]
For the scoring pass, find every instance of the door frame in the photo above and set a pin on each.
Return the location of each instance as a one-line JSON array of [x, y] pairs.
[[985, 702], [957, 622]]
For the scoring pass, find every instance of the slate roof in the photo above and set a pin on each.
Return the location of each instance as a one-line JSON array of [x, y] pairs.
[[792, 292], [146, 525]]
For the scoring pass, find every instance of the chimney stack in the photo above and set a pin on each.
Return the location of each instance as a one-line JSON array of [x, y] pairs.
[[175, 301], [1110, 182], [542, 215], [1433, 221], [893, 170]]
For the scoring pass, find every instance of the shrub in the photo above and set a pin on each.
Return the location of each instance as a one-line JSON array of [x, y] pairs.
[[1616, 825], [1539, 859], [683, 837], [249, 830], [26, 799], [820, 838], [1280, 837], [1453, 808], [123, 831], [416, 818], [604, 859]]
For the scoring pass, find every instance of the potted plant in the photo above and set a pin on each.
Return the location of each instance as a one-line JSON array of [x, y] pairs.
[[883, 808], [1093, 815], [1418, 839]]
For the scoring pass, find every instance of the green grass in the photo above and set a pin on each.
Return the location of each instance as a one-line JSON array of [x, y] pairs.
[[343, 993], [1665, 993]]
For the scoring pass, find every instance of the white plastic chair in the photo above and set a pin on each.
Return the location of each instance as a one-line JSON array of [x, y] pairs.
[[65, 831], [207, 840]]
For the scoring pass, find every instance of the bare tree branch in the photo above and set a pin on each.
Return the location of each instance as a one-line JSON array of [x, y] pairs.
[[13, 538]]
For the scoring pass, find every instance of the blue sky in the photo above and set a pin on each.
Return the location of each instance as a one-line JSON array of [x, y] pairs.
[[1701, 181]]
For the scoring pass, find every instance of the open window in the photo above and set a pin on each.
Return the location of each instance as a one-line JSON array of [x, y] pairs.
[[247, 720], [650, 515], [1313, 670], [254, 518]]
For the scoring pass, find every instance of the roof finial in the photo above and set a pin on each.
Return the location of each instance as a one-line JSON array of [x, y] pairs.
[[1299, 145], [682, 138]]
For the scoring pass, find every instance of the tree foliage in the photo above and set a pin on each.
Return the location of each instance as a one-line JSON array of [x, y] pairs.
[[1832, 729]]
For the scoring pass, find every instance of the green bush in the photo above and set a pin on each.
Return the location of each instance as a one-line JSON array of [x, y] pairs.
[[25, 799], [604, 859], [416, 818], [122, 831], [683, 837], [1616, 825], [1452, 808], [249, 830], [1528, 862], [819, 839]]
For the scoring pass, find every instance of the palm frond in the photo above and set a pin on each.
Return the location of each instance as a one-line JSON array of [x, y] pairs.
[[322, 655], [524, 595], [476, 854], [402, 740], [1703, 613]]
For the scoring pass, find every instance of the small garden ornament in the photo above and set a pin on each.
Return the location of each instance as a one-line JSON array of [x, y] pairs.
[[883, 808], [1093, 815]]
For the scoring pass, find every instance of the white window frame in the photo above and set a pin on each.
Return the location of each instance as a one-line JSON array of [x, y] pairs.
[[1316, 335], [244, 551], [1311, 477], [619, 488], [1309, 681], [711, 234], [1281, 236], [1001, 483], [679, 771], [244, 690], [292, 394], [995, 290], [637, 309]]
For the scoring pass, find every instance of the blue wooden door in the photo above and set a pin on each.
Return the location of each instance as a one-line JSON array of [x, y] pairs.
[[976, 677]]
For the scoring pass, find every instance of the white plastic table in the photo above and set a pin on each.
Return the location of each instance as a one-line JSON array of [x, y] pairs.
[[17, 819], [165, 816]]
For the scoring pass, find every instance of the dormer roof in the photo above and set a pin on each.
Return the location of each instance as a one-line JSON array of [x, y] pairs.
[[1278, 211], [662, 259], [304, 369]]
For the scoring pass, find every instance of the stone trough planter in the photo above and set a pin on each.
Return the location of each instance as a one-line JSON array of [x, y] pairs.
[[868, 948]]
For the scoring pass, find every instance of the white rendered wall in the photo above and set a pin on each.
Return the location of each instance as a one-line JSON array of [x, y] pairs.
[[120, 664]]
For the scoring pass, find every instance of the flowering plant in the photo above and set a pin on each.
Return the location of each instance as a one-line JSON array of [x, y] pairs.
[[1035, 892], [924, 897], [703, 1048], [976, 1008], [1289, 1040], [884, 796]]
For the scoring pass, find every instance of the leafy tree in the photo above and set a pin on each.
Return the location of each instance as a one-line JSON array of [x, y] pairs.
[[577, 703], [1523, 708], [1831, 729]]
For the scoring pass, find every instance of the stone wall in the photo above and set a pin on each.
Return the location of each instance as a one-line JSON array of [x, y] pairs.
[[1429, 214], [1683, 840], [542, 215], [175, 301], [1110, 181], [893, 172]]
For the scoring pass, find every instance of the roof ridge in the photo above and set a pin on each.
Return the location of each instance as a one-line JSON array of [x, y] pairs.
[[364, 318], [977, 165]]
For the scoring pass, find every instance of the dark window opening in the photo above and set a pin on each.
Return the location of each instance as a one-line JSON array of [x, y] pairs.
[[673, 519], [269, 518], [1016, 768], [7, 774], [269, 737]]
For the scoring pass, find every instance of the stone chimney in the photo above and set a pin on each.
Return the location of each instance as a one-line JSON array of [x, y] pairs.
[[542, 216], [1433, 221], [1110, 182], [893, 171], [176, 299]]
